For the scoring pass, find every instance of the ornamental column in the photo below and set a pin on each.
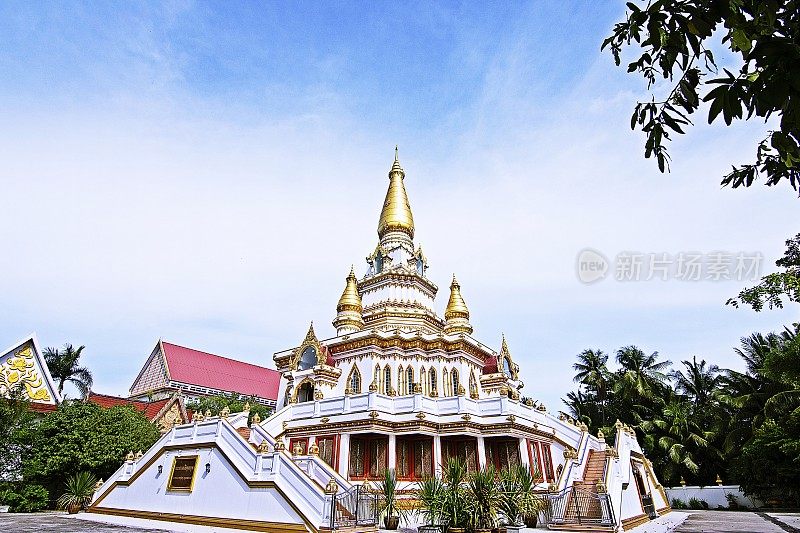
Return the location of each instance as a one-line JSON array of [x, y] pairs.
[[392, 451], [344, 455]]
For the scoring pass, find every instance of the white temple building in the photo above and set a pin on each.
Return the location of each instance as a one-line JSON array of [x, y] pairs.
[[399, 387]]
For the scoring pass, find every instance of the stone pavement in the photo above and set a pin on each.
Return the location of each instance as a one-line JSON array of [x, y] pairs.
[[59, 523], [734, 522]]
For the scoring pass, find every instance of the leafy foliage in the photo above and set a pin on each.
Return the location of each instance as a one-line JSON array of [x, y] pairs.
[[16, 429], [24, 497], [701, 421], [63, 365], [672, 36], [82, 436], [777, 286], [234, 402]]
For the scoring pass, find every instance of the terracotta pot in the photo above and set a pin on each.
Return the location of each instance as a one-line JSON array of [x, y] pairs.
[[73, 508], [391, 522], [487, 530], [456, 529], [531, 521]]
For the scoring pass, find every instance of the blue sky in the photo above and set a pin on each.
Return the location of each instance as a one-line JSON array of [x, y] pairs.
[[207, 172]]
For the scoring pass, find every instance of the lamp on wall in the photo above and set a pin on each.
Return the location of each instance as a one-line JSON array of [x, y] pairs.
[[160, 468], [208, 468]]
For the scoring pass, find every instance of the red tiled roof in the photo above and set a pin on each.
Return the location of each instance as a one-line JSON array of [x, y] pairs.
[[214, 372], [37, 407], [149, 409]]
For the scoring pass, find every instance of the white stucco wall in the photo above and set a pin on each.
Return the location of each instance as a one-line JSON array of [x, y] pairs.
[[715, 496]]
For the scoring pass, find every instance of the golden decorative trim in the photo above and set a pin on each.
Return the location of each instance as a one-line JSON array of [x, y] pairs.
[[634, 521], [175, 460]]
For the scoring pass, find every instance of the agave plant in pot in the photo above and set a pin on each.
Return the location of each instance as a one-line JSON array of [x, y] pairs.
[[430, 496], [456, 508], [80, 489], [387, 501], [519, 504], [484, 494]]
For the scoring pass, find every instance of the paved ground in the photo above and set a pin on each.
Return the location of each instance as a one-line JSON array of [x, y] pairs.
[[698, 522], [734, 522], [59, 523]]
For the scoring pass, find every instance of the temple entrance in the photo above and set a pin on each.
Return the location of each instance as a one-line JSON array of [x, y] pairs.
[[305, 393], [462, 447], [502, 452]]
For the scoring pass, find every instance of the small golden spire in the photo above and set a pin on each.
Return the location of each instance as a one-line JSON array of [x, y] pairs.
[[350, 299], [504, 346], [456, 314], [396, 212]]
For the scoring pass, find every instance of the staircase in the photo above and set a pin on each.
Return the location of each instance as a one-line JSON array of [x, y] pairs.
[[582, 509]]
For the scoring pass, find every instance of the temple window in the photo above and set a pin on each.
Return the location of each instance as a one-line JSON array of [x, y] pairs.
[[507, 367], [327, 449], [354, 382], [414, 458], [536, 462], [547, 461], [303, 442], [465, 449], [409, 380], [308, 359], [432, 381], [502, 453], [387, 380], [368, 456], [454, 381], [401, 381], [305, 393]]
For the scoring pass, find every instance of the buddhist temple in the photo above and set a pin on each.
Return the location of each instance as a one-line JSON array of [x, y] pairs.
[[400, 386]]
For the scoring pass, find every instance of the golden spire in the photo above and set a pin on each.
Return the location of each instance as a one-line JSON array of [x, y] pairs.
[[396, 212], [504, 346], [456, 314], [348, 310], [350, 300]]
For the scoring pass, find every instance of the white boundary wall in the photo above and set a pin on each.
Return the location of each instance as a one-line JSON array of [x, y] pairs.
[[715, 496]]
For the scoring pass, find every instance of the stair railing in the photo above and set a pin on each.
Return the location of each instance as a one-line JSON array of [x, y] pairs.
[[574, 505], [354, 507]]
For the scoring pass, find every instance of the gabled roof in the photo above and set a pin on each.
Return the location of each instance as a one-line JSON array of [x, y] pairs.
[[149, 409], [194, 367], [22, 364]]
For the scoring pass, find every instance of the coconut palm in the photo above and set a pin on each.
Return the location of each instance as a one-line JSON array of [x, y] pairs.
[[640, 375], [63, 365], [591, 371], [700, 382]]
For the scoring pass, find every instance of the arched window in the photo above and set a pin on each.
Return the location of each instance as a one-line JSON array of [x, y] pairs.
[[507, 370], [376, 378], [305, 393], [410, 380], [308, 359], [354, 381], [473, 385], [423, 383], [401, 381], [454, 381], [432, 381], [387, 379]]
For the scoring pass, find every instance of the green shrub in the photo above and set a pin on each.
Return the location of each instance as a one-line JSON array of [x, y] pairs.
[[677, 503], [25, 498], [696, 503]]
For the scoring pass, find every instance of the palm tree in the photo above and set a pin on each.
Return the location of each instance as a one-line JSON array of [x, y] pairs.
[[700, 383], [686, 445], [63, 365], [591, 371], [641, 375]]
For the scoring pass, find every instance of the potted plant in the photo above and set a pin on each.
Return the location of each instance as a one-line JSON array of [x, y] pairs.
[[519, 503], [80, 489], [431, 504], [455, 506], [484, 493], [387, 504]]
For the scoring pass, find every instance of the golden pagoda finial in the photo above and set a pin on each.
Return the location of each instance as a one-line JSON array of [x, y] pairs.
[[504, 345], [456, 314], [348, 310], [396, 212]]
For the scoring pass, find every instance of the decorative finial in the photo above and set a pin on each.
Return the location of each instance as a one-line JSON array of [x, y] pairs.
[[718, 480], [396, 213], [256, 419], [395, 153], [456, 314]]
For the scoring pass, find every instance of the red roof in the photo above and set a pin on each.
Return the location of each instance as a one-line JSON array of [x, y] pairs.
[[38, 407], [490, 365], [149, 409], [214, 372]]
